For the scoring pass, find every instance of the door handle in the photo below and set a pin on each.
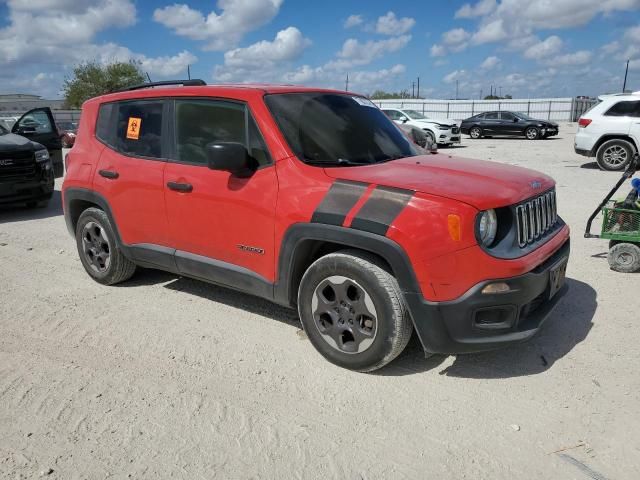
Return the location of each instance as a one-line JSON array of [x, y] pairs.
[[109, 174], [180, 187]]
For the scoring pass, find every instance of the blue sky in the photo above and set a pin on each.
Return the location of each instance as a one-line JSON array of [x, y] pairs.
[[527, 48]]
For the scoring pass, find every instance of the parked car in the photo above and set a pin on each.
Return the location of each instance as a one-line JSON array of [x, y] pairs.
[[496, 124], [68, 132], [38, 125], [441, 132], [610, 131], [313, 199], [26, 171]]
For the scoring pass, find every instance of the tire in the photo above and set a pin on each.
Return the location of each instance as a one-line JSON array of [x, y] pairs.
[[614, 155], [475, 132], [532, 133], [353, 311], [431, 136], [98, 249], [624, 257]]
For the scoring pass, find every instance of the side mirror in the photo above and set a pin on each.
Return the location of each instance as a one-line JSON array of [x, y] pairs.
[[231, 157], [403, 119], [516, 120]]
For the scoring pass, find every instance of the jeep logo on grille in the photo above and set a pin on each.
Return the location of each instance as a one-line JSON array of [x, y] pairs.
[[6, 162], [535, 184]]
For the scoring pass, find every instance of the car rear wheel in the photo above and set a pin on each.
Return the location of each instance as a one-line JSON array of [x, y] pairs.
[[353, 311], [475, 132], [624, 257], [614, 155], [532, 133], [430, 136], [98, 250]]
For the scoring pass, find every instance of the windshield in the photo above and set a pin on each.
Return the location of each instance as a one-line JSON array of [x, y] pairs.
[[415, 115], [328, 128]]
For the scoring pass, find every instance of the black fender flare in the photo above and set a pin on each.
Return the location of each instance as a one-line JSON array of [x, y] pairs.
[[292, 255], [74, 194]]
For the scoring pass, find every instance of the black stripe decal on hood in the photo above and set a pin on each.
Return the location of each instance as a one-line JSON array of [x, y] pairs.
[[339, 200], [381, 209]]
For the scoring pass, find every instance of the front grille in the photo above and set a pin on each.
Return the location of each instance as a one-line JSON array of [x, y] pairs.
[[21, 166], [536, 217], [455, 130]]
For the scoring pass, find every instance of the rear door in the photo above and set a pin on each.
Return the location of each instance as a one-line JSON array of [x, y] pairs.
[[130, 175], [491, 123], [39, 126]]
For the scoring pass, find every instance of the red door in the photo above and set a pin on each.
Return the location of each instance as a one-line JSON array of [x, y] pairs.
[[130, 172], [214, 214]]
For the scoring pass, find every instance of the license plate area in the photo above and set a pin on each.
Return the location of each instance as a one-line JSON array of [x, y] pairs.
[[557, 275]]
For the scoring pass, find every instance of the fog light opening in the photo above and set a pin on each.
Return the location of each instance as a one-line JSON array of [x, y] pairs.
[[497, 287]]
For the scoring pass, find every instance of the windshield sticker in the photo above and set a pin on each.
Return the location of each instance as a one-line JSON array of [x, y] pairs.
[[133, 128], [365, 102]]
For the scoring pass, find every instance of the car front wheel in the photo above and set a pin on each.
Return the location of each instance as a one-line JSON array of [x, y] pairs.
[[353, 311], [532, 133], [614, 155], [475, 132]]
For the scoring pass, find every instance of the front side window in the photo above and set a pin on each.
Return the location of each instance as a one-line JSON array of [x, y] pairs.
[[624, 109], [37, 122], [415, 115], [509, 117], [202, 122], [492, 116], [393, 114], [139, 128], [337, 129]]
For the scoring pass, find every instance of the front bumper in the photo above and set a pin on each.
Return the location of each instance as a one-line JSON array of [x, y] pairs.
[[37, 186], [477, 322], [447, 137]]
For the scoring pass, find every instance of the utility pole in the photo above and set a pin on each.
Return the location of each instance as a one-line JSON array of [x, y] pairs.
[[624, 85], [480, 94], [500, 92], [418, 87], [346, 84], [457, 81], [413, 89]]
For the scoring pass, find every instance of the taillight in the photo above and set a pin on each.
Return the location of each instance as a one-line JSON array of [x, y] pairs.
[[584, 122]]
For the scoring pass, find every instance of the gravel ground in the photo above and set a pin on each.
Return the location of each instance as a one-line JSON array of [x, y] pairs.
[[165, 377]]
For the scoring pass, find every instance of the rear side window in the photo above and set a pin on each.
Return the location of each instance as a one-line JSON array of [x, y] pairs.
[[138, 129], [492, 116], [103, 130], [624, 109], [201, 122]]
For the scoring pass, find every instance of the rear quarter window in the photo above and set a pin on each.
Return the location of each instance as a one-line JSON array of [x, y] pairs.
[[104, 132], [624, 109]]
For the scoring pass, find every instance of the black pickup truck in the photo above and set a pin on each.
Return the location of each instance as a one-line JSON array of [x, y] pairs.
[[30, 159]]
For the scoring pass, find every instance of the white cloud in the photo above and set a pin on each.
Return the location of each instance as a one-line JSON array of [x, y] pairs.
[[354, 52], [389, 24], [490, 63], [353, 21], [218, 31], [544, 49], [263, 60], [438, 50], [490, 32], [167, 66], [362, 80], [455, 36], [483, 7], [633, 34], [455, 75], [570, 59]]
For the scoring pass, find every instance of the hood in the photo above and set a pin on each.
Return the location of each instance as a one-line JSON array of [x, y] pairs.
[[17, 143], [545, 122], [478, 183]]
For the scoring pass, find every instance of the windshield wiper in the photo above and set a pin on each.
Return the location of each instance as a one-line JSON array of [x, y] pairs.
[[337, 162]]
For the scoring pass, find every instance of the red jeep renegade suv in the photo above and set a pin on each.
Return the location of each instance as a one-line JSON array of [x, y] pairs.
[[314, 198]]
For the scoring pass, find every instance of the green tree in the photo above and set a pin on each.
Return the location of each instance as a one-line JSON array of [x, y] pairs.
[[381, 95], [91, 79]]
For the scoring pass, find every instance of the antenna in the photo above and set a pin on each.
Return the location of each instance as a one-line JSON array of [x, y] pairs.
[[148, 77], [624, 85], [346, 84], [189, 72]]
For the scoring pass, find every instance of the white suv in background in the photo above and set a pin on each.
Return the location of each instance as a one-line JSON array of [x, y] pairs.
[[610, 131], [441, 132]]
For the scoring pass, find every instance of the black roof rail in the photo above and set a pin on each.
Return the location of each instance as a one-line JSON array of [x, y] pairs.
[[196, 82]]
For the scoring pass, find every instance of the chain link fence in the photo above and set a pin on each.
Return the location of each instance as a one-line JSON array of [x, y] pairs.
[[557, 109]]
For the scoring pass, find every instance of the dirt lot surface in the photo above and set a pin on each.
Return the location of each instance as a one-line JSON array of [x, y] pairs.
[[165, 377]]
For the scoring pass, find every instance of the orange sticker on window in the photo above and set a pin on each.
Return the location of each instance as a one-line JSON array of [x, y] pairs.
[[133, 129]]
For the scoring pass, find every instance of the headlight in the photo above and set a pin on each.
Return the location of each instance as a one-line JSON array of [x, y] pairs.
[[443, 127], [42, 156], [487, 227]]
